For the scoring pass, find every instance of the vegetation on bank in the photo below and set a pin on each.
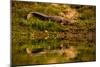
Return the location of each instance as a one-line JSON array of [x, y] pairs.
[[49, 36]]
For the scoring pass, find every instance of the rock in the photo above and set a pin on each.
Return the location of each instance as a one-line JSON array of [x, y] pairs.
[[70, 53]]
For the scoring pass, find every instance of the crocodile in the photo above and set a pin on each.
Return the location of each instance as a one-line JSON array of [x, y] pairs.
[[42, 16]]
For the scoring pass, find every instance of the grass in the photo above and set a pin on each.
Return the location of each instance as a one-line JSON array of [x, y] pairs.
[[48, 35]]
